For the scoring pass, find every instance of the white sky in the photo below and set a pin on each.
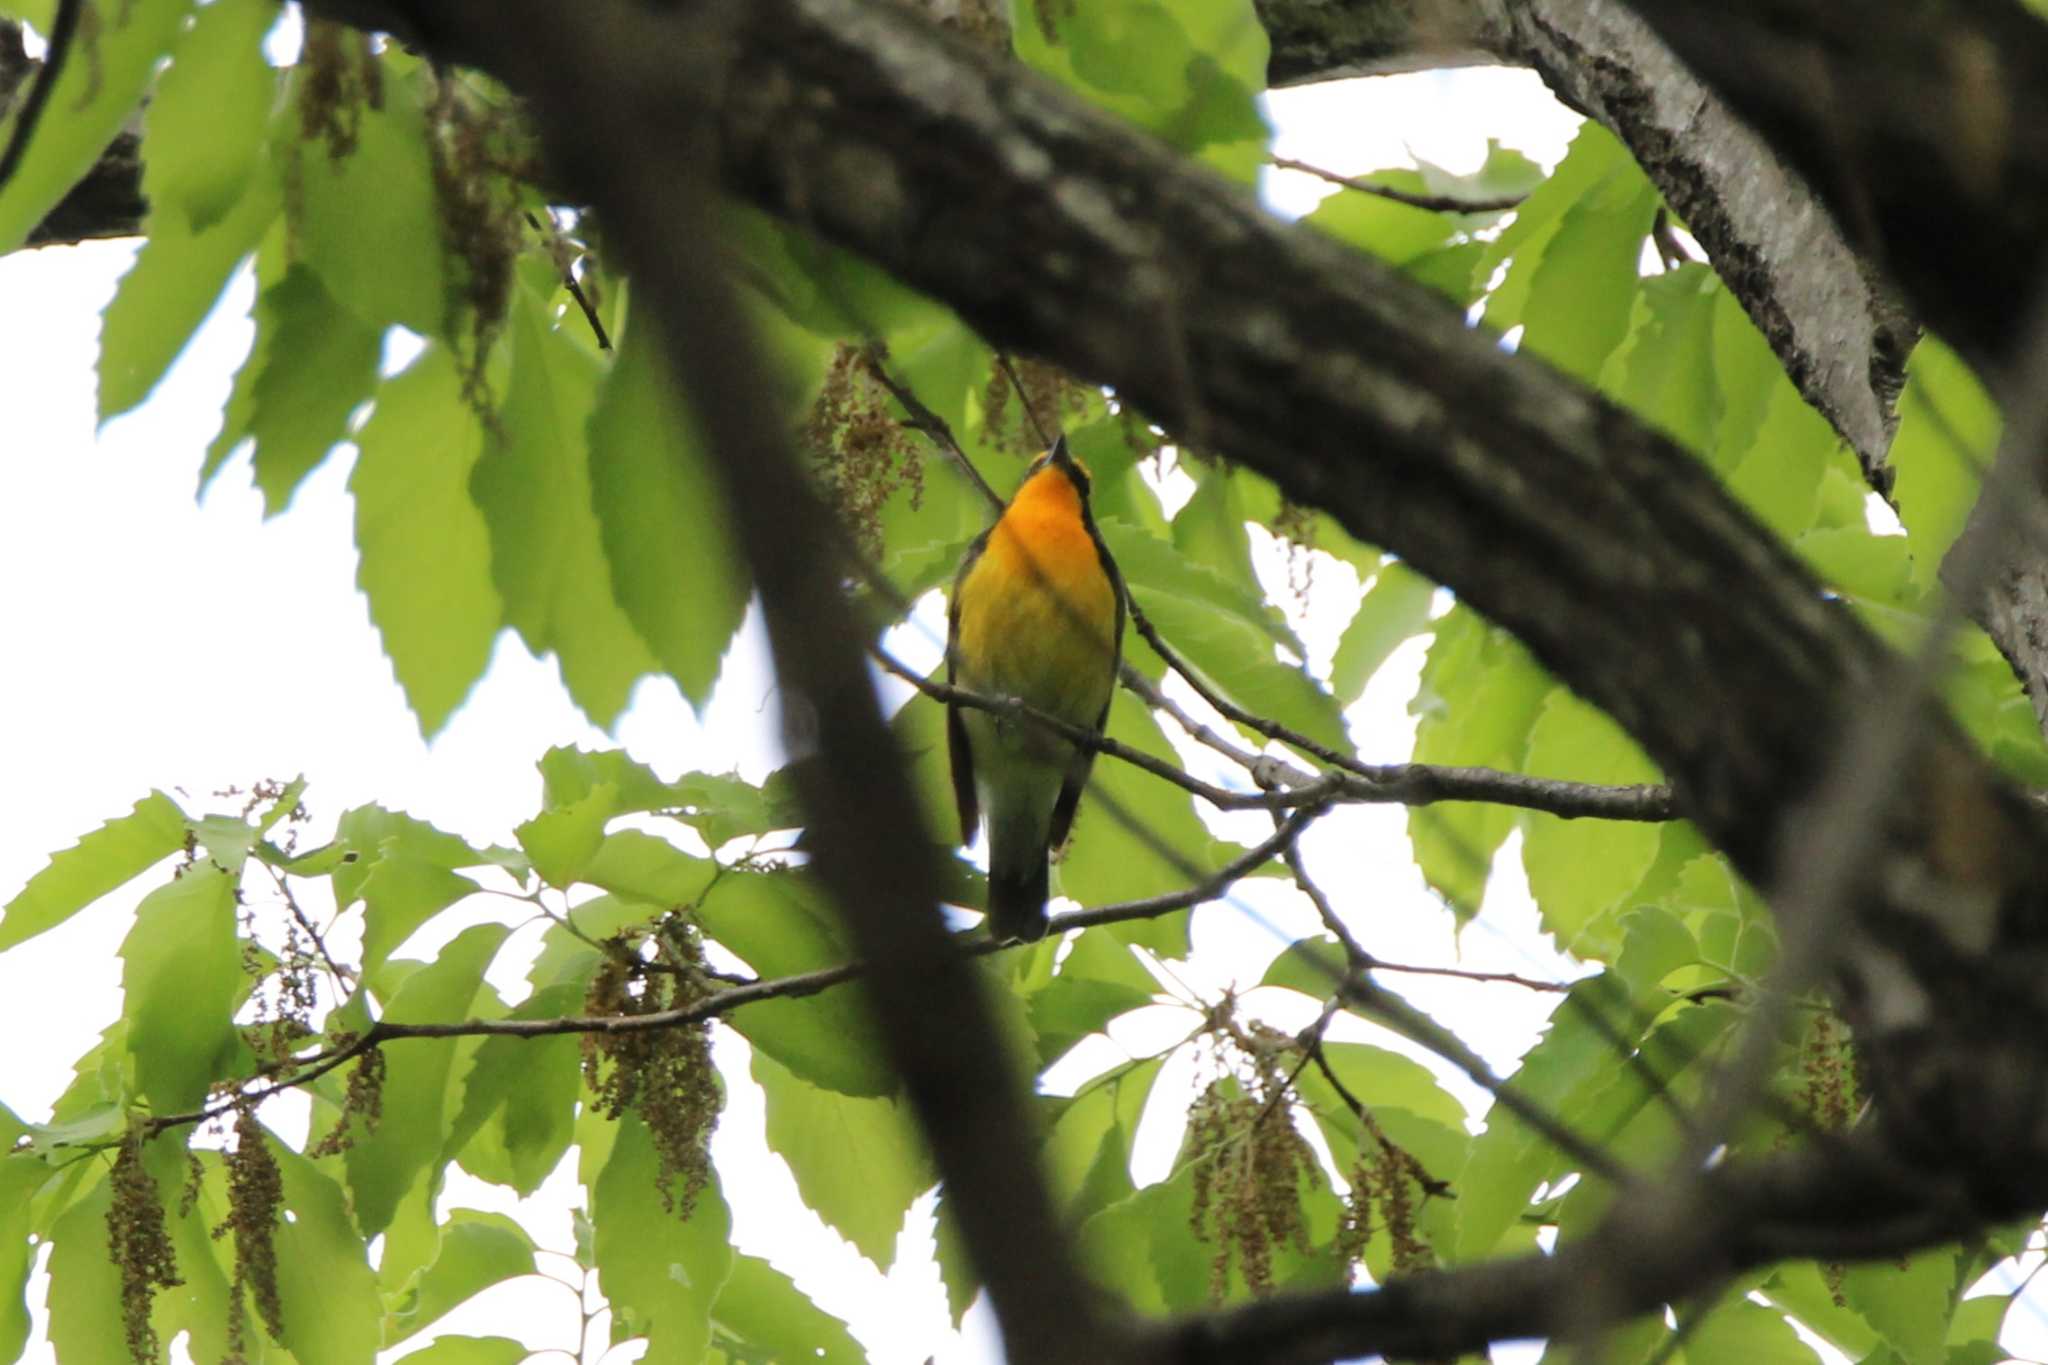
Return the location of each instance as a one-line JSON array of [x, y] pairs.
[[155, 641]]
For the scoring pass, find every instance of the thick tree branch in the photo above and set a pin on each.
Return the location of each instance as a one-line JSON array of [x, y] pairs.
[[600, 77], [1613, 554]]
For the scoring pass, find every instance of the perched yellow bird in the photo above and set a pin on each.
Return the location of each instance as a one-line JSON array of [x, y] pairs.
[[1038, 615]]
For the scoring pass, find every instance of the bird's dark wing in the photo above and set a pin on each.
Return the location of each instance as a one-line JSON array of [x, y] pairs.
[[1077, 776], [957, 749]]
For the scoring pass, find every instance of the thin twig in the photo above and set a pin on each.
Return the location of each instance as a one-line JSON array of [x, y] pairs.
[[1436, 203], [575, 287], [922, 418], [779, 988], [1024, 399], [63, 33]]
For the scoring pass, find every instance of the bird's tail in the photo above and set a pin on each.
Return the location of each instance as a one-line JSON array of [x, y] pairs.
[[1016, 900]]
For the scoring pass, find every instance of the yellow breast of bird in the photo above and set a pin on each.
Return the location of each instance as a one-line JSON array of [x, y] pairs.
[[1037, 613]]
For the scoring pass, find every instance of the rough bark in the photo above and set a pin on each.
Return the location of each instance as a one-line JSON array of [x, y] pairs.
[[1611, 552]]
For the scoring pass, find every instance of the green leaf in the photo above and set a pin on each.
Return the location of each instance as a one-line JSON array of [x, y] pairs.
[[468, 1351], [386, 1163], [85, 1319], [533, 486], [478, 1250], [1594, 157], [98, 89], [858, 1163], [1509, 1160], [561, 842], [1398, 233], [20, 1176], [181, 972], [518, 1111], [1948, 435], [118, 851], [1479, 695], [777, 923], [1740, 1330], [1099, 980], [1384, 1079], [425, 549], [1189, 71], [765, 1310], [1583, 289], [1798, 1288], [1859, 565], [1087, 1154], [333, 1314], [1909, 1305], [209, 115], [319, 363], [673, 566], [1395, 607], [369, 222], [403, 891], [178, 276], [1665, 370], [661, 1274], [1580, 870]]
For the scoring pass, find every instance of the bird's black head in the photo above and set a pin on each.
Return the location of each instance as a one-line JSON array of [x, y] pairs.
[[1062, 459]]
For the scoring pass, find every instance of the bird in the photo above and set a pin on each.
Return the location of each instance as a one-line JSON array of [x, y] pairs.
[[1037, 615]]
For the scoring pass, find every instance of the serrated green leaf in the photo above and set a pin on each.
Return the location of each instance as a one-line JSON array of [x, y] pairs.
[[468, 1351], [650, 869], [1580, 870], [180, 973], [1798, 1288], [1395, 608], [561, 842], [1781, 478], [661, 1274], [533, 487], [673, 566], [177, 278], [1594, 155], [478, 1250], [384, 1164], [369, 222], [332, 1312], [1509, 1160], [764, 1309], [1584, 287], [1099, 980], [319, 363], [118, 851], [20, 1176], [777, 923], [1908, 1304], [403, 891], [1479, 695], [858, 1162], [1664, 372], [365, 834], [425, 551], [85, 1320], [93, 97], [518, 1111], [1948, 435], [208, 118]]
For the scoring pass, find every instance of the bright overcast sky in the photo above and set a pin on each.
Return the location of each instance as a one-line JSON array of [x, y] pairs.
[[156, 641]]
